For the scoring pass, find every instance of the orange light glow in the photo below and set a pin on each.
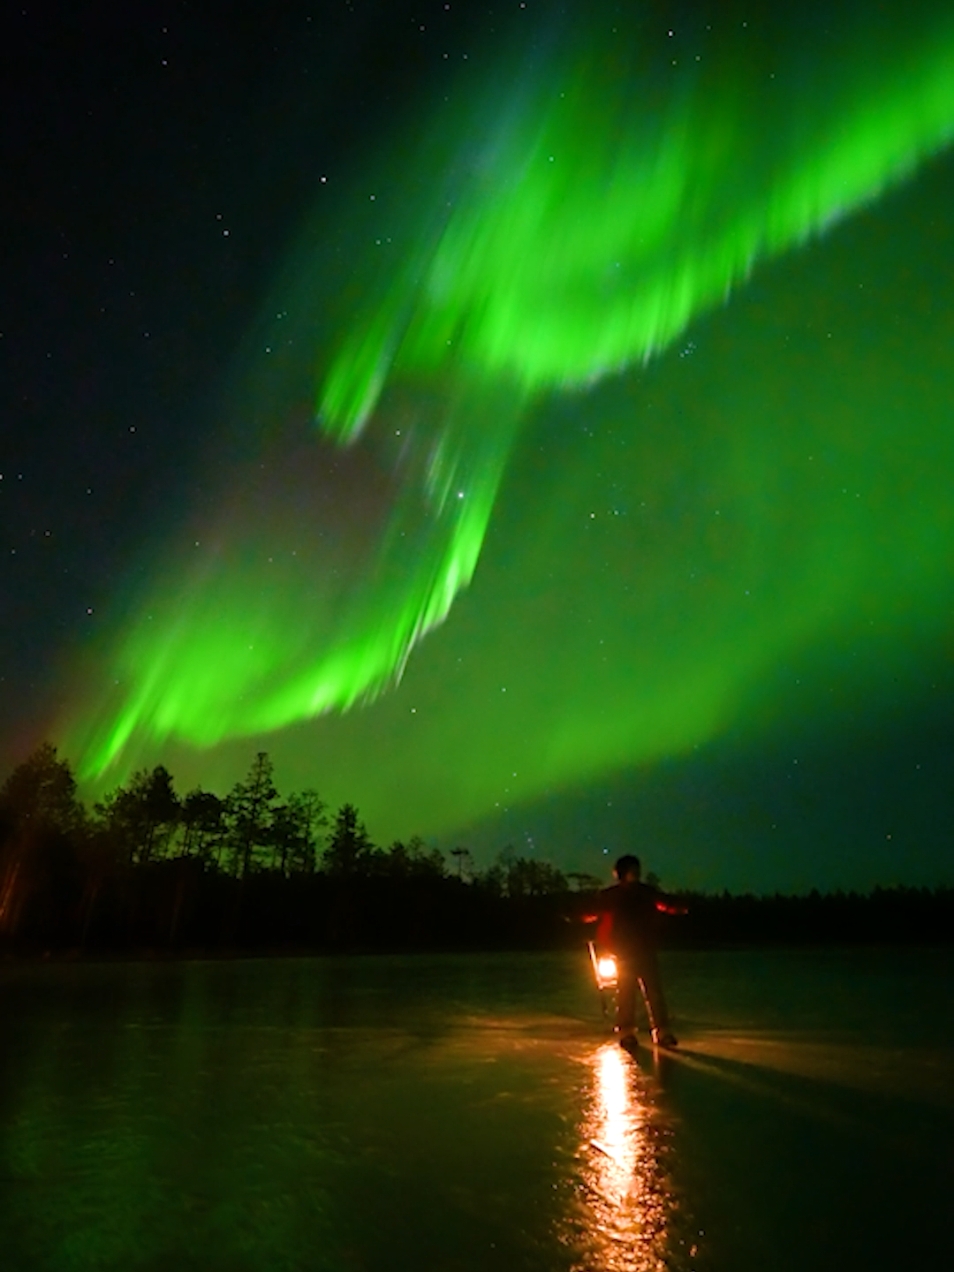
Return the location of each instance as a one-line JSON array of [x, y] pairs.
[[623, 1225], [604, 968]]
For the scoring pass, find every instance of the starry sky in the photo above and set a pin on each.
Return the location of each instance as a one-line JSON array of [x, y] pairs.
[[529, 423]]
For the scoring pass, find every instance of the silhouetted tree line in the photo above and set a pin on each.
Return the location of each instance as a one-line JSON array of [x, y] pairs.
[[884, 916], [146, 868]]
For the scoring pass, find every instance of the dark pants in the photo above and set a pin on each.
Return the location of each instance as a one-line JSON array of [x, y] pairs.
[[639, 967]]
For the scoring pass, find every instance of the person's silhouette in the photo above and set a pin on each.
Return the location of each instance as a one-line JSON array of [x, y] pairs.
[[627, 929]]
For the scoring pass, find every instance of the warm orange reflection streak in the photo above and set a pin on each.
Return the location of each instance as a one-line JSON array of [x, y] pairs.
[[627, 1196]]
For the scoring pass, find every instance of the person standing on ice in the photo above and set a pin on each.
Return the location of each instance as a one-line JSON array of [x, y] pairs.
[[628, 917]]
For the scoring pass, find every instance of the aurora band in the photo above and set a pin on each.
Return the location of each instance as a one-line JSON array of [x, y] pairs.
[[615, 202]]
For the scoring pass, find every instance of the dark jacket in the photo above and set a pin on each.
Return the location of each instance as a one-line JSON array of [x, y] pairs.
[[629, 917]]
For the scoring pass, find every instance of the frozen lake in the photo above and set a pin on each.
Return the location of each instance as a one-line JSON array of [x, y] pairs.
[[471, 1112]]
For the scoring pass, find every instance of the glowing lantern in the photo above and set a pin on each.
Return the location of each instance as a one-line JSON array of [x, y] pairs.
[[604, 968]]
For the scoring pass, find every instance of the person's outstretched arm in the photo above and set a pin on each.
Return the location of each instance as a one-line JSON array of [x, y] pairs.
[[666, 904]]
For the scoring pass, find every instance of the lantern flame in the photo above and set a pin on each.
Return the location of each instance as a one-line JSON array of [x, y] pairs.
[[605, 969]]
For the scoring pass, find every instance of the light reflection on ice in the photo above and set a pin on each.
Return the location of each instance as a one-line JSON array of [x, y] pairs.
[[624, 1190]]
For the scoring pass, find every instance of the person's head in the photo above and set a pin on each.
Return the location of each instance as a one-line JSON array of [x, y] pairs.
[[627, 869]]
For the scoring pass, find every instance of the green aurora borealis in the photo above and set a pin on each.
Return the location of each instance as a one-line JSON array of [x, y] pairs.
[[670, 501]]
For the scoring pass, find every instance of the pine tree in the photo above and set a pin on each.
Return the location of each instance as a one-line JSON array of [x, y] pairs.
[[250, 810], [350, 850]]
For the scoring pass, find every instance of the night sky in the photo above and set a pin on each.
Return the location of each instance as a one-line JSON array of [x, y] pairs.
[[531, 424]]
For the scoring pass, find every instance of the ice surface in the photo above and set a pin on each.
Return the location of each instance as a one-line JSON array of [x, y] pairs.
[[468, 1113]]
